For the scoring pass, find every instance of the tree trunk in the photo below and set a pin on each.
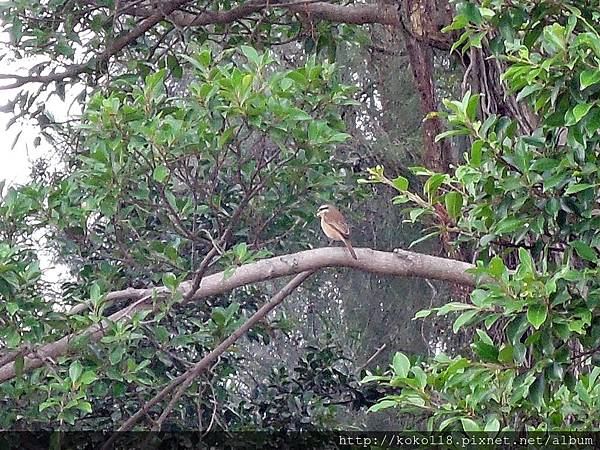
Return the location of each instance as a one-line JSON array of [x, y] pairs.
[[421, 21]]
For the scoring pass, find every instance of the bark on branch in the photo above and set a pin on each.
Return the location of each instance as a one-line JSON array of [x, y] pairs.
[[397, 263], [355, 14]]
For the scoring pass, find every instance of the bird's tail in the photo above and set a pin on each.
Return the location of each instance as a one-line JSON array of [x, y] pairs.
[[350, 249]]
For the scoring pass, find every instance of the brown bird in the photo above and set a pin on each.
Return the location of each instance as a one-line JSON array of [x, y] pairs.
[[334, 226]]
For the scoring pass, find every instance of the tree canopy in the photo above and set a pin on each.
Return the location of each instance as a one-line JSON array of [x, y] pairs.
[[210, 134]]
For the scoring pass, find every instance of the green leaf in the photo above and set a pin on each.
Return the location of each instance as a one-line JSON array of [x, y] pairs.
[[12, 308], [170, 281], [446, 422], [471, 13], [536, 391], [589, 77], [526, 261], [47, 404], [339, 137], [433, 183], [580, 111], [383, 404], [593, 376], [476, 153], [400, 183], [519, 353], [371, 378], [398, 199], [84, 406], [496, 267], [160, 173], [555, 36], [424, 238], [13, 338], [64, 49], [536, 314], [508, 225], [544, 164], [471, 110], [75, 371], [486, 352], [422, 313], [95, 292], [453, 306], [251, 54], [584, 250], [506, 354], [463, 319], [484, 337], [401, 365], [469, 425], [240, 251], [572, 189], [88, 377], [116, 355], [420, 376], [583, 393], [592, 122], [219, 316], [528, 90], [492, 425], [454, 203], [451, 133]]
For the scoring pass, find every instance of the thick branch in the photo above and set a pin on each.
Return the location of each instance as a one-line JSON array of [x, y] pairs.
[[355, 14], [398, 263]]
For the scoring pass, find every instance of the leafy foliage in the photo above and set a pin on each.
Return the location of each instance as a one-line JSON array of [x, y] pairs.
[[527, 205], [238, 164], [305, 398]]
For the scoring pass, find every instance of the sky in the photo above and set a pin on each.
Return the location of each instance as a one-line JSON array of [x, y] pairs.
[[15, 162]]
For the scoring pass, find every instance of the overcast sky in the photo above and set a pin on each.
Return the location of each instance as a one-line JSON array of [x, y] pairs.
[[14, 164]]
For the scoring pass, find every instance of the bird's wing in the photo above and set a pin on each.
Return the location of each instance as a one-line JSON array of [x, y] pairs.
[[342, 228], [336, 220]]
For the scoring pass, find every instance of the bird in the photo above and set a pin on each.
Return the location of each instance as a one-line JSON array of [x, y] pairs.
[[334, 226]]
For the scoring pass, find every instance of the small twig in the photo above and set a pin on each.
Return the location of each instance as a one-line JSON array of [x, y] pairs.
[[214, 410], [433, 296], [116, 16], [525, 246], [372, 358]]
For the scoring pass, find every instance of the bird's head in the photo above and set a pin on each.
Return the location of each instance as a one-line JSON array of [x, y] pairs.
[[323, 209]]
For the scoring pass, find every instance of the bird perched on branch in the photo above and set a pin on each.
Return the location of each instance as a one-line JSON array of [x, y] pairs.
[[334, 226]]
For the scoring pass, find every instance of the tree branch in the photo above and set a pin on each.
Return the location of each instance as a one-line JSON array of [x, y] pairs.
[[398, 263], [185, 380], [355, 14], [116, 46], [359, 14]]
